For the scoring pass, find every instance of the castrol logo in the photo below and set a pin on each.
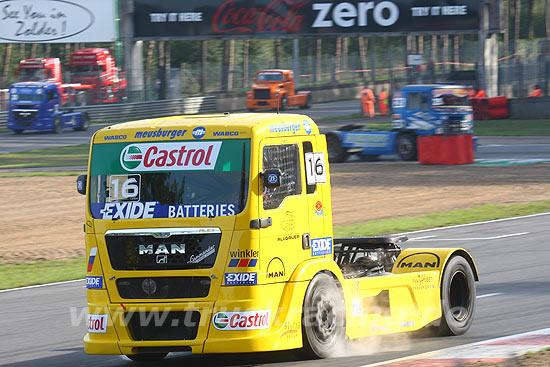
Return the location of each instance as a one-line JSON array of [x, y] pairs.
[[170, 156]]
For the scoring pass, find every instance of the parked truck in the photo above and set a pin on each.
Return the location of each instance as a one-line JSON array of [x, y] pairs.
[[36, 106], [418, 110], [94, 76], [213, 234], [276, 89]]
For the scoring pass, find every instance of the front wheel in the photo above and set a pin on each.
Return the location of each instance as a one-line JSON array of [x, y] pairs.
[[146, 357], [323, 318], [284, 103], [57, 125], [84, 122], [336, 153], [458, 296], [405, 145], [18, 131]]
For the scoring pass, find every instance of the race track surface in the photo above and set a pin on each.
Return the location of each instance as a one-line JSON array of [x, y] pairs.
[[38, 325]]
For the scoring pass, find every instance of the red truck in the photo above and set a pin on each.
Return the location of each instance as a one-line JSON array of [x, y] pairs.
[[275, 89], [94, 76]]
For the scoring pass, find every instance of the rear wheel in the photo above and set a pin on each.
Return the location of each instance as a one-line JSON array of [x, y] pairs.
[[323, 318], [405, 145], [308, 102], [336, 153], [458, 296], [146, 357], [57, 125], [18, 131]]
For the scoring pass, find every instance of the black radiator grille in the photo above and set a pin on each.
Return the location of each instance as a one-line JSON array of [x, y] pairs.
[[262, 94], [163, 287], [167, 325], [146, 252]]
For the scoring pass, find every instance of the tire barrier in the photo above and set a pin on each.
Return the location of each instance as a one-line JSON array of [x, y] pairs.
[[446, 149], [490, 108], [140, 110]]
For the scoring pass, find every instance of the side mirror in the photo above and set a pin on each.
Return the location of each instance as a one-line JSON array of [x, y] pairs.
[[81, 184], [272, 178]]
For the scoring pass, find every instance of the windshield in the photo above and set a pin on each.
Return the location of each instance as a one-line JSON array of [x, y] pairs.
[[87, 69], [33, 75], [270, 75], [450, 97], [169, 179], [26, 97]]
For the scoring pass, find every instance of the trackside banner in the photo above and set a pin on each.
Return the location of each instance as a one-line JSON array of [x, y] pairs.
[[57, 21], [228, 18]]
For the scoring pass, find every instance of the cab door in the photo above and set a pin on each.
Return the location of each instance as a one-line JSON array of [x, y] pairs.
[[284, 211], [417, 113]]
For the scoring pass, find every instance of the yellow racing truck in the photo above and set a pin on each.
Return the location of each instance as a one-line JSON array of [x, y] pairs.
[[213, 234]]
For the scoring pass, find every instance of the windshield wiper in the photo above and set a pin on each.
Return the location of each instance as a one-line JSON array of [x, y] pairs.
[[242, 192]]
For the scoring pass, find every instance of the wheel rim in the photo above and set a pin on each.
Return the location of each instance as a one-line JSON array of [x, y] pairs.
[[323, 318], [404, 147], [459, 297]]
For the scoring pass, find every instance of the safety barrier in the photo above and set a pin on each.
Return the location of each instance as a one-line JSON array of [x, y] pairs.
[[141, 110], [490, 108]]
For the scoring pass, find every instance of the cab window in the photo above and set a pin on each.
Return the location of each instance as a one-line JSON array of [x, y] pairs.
[[286, 158], [417, 101]]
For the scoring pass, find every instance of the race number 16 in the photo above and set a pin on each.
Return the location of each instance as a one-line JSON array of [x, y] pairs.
[[316, 171], [123, 187]]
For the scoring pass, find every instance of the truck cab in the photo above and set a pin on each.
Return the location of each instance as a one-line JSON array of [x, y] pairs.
[[47, 70], [36, 106], [275, 89], [213, 234]]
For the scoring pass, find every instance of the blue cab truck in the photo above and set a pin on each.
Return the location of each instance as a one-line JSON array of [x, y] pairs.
[[418, 110], [36, 106]]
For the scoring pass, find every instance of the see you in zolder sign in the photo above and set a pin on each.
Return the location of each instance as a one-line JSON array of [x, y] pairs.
[[57, 21], [228, 18]]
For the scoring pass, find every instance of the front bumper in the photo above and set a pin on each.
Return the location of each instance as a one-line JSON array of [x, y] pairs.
[[262, 103]]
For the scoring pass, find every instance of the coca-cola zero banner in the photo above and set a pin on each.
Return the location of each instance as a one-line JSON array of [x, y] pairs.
[[280, 18]]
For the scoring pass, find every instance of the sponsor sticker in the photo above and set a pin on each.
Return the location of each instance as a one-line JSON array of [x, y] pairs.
[[285, 128], [151, 209], [199, 132], [225, 133], [203, 255], [321, 246], [243, 320], [127, 210], [307, 127], [242, 263], [182, 156], [94, 282], [97, 323], [318, 208], [91, 259], [241, 278], [159, 133]]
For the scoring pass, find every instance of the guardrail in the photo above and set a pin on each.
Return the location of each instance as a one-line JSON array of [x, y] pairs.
[[141, 110]]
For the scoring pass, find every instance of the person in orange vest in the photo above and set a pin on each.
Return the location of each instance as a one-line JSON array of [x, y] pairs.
[[471, 92], [537, 92], [383, 103], [480, 93], [367, 102]]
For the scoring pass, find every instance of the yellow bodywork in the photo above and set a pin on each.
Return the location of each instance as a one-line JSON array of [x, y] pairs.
[[406, 299]]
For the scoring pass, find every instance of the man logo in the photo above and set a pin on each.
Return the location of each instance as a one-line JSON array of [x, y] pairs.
[[420, 260], [199, 132], [162, 259], [221, 320], [131, 157]]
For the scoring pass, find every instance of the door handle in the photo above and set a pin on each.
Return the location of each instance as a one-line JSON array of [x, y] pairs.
[[260, 223], [305, 241]]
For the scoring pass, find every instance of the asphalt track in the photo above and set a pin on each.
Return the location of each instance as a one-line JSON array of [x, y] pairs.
[[512, 257]]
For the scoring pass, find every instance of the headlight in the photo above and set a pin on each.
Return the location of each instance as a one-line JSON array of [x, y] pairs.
[[249, 95], [276, 95], [469, 117], [39, 91], [14, 97]]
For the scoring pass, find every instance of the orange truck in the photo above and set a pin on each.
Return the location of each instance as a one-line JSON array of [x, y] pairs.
[[275, 88], [94, 76]]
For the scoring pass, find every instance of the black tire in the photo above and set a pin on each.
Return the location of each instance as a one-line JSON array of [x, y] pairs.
[[85, 123], [336, 153], [146, 357], [369, 157], [251, 110], [323, 318], [308, 102], [18, 131], [405, 146], [458, 296], [57, 125]]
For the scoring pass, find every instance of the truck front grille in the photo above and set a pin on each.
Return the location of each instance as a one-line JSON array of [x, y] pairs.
[[25, 117], [167, 325], [163, 287], [452, 125], [262, 94], [158, 249]]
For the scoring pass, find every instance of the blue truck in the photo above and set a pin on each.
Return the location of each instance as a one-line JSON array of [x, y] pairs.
[[418, 110], [36, 106]]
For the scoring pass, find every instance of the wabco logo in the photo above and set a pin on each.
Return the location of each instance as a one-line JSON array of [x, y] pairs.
[[199, 132], [226, 133], [420, 260], [321, 246], [244, 320], [170, 156]]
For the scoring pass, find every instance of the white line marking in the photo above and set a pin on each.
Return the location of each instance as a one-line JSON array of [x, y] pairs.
[[421, 238], [488, 295], [470, 239], [40, 285], [473, 224]]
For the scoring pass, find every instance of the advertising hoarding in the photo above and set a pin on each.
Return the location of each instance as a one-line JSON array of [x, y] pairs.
[[57, 21], [292, 18]]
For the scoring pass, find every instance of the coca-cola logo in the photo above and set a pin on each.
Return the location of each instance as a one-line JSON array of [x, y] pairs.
[[278, 15]]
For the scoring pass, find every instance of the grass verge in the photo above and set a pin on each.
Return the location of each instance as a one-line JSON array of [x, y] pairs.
[[72, 155], [49, 174], [20, 275]]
